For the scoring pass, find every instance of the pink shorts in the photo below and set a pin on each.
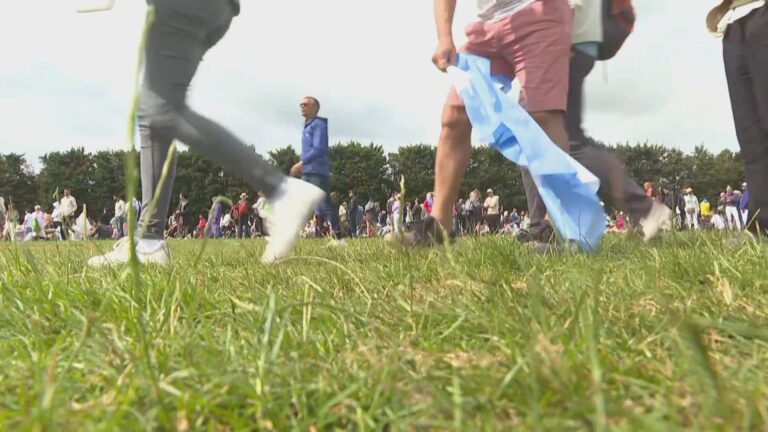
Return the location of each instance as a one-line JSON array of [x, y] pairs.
[[532, 45]]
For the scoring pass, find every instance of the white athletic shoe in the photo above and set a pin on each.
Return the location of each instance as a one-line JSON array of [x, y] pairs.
[[290, 210], [148, 252], [658, 218]]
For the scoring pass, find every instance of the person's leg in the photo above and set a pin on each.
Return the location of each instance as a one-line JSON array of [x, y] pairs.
[[539, 229], [614, 181], [453, 152], [181, 34], [580, 66], [733, 221], [66, 224], [325, 211], [538, 45], [745, 54], [63, 227]]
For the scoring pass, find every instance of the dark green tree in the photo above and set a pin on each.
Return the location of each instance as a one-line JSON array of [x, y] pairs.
[[71, 169], [489, 169], [360, 167], [107, 179], [416, 163], [283, 158], [18, 183]]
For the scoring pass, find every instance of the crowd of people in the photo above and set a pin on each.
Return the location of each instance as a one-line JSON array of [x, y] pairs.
[[63, 220], [549, 46], [475, 215], [730, 209]]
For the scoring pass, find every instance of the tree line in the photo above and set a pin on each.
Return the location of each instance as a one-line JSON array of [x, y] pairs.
[[94, 177]]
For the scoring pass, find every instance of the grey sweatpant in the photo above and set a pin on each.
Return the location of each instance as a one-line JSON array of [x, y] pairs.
[[614, 181], [182, 32]]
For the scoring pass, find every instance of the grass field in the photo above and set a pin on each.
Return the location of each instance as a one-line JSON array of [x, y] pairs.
[[485, 336]]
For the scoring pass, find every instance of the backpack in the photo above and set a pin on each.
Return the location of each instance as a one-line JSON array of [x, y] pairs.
[[242, 208], [238, 210], [618, 22]]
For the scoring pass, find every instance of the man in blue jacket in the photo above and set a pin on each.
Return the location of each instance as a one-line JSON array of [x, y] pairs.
[[315, 164], [744, 205]]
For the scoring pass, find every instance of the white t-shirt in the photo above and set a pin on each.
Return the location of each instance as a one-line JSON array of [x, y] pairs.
[[492, 10], [587, 21], [738, 13], [718, 222], [259, 206], [119, 208], [492, 204], [68, 206]]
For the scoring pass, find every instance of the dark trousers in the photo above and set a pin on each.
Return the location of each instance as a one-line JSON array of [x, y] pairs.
[[745, 54], [66, 224], [493, 221], [352, 217], [59, 226], [615, 184], [326, 210], [242, 227], [182, 32]]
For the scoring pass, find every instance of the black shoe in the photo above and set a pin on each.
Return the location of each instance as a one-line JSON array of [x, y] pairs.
[[424, 233]]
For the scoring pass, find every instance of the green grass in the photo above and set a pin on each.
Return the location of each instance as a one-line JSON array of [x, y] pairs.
[[367, 337]]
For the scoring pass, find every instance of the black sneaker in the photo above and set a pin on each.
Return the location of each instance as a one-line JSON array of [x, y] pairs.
[[546, 235], [424, 233]]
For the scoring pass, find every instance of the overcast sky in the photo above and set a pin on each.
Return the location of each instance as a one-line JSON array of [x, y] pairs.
[[65, 79]]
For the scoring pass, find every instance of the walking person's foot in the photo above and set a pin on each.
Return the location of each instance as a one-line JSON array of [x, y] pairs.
[[292, 206], [428, 232], [147, 251], [659, 217], [545, 235]]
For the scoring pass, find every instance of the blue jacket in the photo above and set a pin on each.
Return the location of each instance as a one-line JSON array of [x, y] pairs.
[[744, 203], [314, 147]]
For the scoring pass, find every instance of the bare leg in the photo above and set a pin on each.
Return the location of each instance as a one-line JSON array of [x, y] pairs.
[[453, 152]]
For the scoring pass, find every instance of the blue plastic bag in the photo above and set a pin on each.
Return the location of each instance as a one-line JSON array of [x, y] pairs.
[[568, 189]]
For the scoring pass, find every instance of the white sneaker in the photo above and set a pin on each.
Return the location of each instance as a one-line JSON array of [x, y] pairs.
[[658, 217], [290, 211], [148, 252]]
